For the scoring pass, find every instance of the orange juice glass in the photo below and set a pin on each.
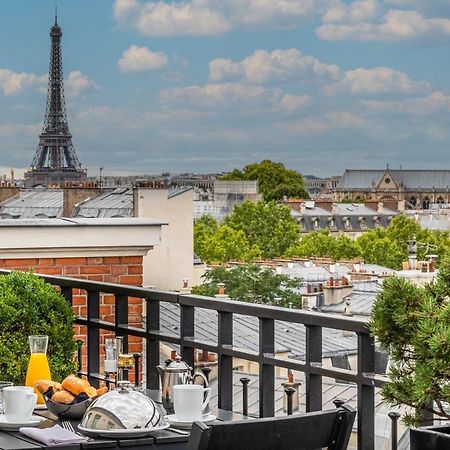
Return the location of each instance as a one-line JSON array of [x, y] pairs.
[[38, 368]]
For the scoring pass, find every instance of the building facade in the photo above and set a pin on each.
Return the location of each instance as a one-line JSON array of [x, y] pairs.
[[420, 189]]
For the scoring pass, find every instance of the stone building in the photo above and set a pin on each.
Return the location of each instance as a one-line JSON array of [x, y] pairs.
[[418, 188]]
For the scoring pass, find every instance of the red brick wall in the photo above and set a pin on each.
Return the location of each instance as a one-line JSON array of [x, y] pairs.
[[111, 269]]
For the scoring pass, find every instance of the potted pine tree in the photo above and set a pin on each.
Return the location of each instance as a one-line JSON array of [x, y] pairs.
[[413, 324]]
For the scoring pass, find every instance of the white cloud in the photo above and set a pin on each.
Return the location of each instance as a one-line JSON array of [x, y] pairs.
[[436, 103], [77, 83], [279, 65], [380, 80], [20, 129], [212, 17], [290, 103], [344, 22], [220, 97], [14, 82], [141, 59], [324, 124]]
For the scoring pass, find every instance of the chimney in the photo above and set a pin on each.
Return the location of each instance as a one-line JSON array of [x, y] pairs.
[[72, 196], [7, 192], [336, 291]]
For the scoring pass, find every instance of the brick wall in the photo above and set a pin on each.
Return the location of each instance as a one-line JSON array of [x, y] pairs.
[[111, 269]]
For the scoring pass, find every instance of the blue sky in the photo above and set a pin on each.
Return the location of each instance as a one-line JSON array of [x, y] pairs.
[[209, 85]]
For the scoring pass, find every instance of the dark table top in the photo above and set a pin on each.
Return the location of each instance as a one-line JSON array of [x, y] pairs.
[[159, 440]]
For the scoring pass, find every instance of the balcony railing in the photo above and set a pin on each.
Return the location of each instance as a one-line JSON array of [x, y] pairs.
[[313, 369]]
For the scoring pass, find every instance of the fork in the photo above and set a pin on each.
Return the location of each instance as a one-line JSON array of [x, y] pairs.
[[68, 426]]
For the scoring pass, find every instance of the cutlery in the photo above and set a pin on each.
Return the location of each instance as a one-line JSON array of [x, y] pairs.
[[176, 430]]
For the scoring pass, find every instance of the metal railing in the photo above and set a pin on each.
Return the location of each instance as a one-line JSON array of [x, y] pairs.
[[364, 377]]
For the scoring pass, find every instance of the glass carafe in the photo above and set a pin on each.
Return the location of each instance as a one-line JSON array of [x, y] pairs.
[[38, 368]]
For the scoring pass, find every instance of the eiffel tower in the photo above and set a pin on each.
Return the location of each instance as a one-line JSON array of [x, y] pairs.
[[55, 162]]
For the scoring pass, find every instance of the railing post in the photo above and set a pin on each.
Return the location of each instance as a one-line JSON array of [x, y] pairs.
[[313, 355], [93, 337], [394, 416], [121, 318], [244, 381], [187, 314], [266, 371], [152, 357], [66, 292], [366, 393], [289, 393], [225, 363]]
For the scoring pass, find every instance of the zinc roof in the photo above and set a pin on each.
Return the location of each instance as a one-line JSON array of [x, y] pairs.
[[366, 179], [31, 203]]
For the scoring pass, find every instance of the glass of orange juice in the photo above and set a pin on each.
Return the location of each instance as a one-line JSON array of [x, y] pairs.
[[38, 368]]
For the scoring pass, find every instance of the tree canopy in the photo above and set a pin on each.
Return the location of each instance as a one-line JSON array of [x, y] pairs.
[[413, 324], [252, 283], [275, 181]]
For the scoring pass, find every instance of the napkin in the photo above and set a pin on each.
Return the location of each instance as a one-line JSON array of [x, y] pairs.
[[55, 435]]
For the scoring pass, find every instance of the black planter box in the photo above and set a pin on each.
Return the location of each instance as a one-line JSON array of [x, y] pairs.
[[430, 438]]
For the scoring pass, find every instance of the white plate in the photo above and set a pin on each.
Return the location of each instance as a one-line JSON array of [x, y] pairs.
[[7, 425], [174, 422], [137, 432]]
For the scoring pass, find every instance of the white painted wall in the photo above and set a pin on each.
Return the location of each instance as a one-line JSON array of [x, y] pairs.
[[167, 265]]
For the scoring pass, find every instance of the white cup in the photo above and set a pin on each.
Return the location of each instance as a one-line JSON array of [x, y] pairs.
[[19, 402], [189, 401]]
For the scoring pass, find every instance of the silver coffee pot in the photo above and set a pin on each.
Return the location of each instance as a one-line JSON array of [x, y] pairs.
[[177, 372]]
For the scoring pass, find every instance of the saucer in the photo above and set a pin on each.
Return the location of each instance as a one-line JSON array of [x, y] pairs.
[[187, 424], [8, 425]]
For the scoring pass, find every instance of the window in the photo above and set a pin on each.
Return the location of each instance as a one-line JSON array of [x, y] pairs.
[[387, 180]]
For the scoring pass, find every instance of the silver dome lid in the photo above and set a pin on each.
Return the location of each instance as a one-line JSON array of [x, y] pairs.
[[123, 409]]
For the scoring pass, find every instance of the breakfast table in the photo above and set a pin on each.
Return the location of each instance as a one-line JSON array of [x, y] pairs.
[[158, 440]]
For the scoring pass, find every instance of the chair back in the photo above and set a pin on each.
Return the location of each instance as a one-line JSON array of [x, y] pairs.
[[329, 429]]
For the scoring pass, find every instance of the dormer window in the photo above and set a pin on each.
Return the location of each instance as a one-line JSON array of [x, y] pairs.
[[301, 222], [316, 222], [331, 222], [347, 222], [362, 222]]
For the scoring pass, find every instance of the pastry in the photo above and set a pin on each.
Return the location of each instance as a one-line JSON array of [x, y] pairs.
[[73, 384], [64, 397]]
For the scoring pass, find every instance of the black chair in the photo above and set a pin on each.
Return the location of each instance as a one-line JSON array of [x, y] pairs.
[[329, 429]]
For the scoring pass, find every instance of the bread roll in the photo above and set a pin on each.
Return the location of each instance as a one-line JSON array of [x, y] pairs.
[[73, 384], [43, 385], [64, 397]]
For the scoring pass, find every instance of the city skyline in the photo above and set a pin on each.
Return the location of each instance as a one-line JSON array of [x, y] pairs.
[[206, 86]]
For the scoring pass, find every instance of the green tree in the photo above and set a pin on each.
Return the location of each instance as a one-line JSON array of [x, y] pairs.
[[413, 324], [323, 244], [274, 180], [267, 226], [227, 244], [376, 247], [252, 283], [204, 230]]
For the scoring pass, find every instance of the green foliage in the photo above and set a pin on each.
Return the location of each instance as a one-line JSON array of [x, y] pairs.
[[377, 247], [274, 180], [413, 324], [251, 283], [29, 306], [323, 244], [267, 226]]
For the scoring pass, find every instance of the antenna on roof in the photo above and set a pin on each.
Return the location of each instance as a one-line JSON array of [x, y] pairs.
[[56, 15]]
